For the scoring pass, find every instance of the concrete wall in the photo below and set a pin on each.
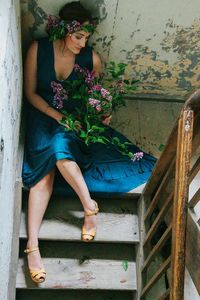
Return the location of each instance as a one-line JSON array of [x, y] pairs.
[[10, 108]]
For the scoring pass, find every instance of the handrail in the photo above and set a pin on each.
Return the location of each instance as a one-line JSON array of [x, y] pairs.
[[183, 157], [182, 143]]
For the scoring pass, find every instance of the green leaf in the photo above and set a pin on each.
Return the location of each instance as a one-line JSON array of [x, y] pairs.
[[116, 139], [125, 265], [161, 147], [126, 81], [83, 134], [100, 140]]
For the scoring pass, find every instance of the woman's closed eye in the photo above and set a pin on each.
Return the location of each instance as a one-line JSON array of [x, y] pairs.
[[79, 37]]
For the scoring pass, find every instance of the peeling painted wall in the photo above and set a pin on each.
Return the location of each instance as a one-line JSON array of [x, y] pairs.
[[146, 36], [159, 40], [10, 108]]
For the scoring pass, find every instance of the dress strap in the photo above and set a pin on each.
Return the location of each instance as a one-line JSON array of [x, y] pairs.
[[84, 59]]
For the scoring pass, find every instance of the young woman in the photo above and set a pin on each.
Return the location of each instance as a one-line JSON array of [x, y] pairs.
[[49, 146]]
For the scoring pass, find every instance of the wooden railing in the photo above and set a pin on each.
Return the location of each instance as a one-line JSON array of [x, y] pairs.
[[164, 210]]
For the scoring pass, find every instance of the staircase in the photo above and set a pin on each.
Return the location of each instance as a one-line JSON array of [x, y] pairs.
[[104, 269], [151, 232]]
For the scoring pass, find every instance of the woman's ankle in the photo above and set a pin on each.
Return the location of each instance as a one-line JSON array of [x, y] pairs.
[[90, 206], [32, 243]]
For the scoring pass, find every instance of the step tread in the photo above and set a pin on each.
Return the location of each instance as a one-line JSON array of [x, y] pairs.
[[112, 227], [91, 274]]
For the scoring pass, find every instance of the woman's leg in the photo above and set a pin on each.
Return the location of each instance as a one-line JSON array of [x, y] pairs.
[[39, 196], [72, 174]]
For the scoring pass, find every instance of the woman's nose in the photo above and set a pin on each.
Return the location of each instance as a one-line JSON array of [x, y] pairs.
[[83, 42]]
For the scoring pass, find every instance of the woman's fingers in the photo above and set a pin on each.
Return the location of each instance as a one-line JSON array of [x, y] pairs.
[[107, 120]]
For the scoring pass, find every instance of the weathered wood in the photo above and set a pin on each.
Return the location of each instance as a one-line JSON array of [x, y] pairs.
[[60, 205], [193, 102], [195, 199], [193, 250], [165, 296], [157, 247], [156, 276], [196, 133], [184, 149], [139, 247], [111, 228], [170, 150], [164, 162], [195, 169], [160, 190], [91, 274], [158, 219]]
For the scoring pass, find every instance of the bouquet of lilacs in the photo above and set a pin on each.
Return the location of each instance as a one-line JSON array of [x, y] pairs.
[[96, 104]]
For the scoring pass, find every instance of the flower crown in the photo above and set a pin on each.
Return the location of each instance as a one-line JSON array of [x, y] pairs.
[[58, 28]]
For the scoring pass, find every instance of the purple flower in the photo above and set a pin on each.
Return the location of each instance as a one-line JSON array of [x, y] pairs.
[[94, 102], [104, 92], [73, 26], [52, 21], [60, 94], [77, 67], [96, 87], [137, 156], [98, 108]]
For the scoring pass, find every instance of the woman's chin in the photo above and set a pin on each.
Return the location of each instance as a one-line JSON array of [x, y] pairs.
[[76, 50]]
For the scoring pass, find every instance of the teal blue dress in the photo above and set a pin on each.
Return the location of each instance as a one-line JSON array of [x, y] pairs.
[[105, 170]]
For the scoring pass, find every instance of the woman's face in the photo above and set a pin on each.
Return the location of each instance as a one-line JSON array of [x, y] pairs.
[[77, 40]]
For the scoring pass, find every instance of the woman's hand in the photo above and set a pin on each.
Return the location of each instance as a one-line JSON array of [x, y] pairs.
[[69, 124], [106, 120]]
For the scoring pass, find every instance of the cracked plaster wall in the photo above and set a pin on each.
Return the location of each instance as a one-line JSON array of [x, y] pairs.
[[159, 42]]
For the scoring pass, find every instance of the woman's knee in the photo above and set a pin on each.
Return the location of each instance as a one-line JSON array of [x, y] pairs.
[[46, 183], [65, 162]]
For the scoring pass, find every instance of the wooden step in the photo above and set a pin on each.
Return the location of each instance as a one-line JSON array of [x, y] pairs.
[[121, 228], [91, 274]]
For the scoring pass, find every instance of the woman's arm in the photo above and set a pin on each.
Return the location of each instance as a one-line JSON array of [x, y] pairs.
[[30, 85], [97, 67]]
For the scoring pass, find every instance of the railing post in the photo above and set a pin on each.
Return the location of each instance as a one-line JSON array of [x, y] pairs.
[[183, 155]]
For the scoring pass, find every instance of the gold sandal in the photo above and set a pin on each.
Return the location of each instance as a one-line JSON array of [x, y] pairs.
[[38, 276], [90, 235]]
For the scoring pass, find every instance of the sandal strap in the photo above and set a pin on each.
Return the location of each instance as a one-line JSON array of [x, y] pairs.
[[92, 235], [29, 250], [85, 232], [39, 272]]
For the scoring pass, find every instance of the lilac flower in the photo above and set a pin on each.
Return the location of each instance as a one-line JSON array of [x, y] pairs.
[[96, 87], [52, 21], [90, 78], [73, 26], [94, 102], [57, 87], [77, 68], [104, 92], [60, 94], [137, 156]]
